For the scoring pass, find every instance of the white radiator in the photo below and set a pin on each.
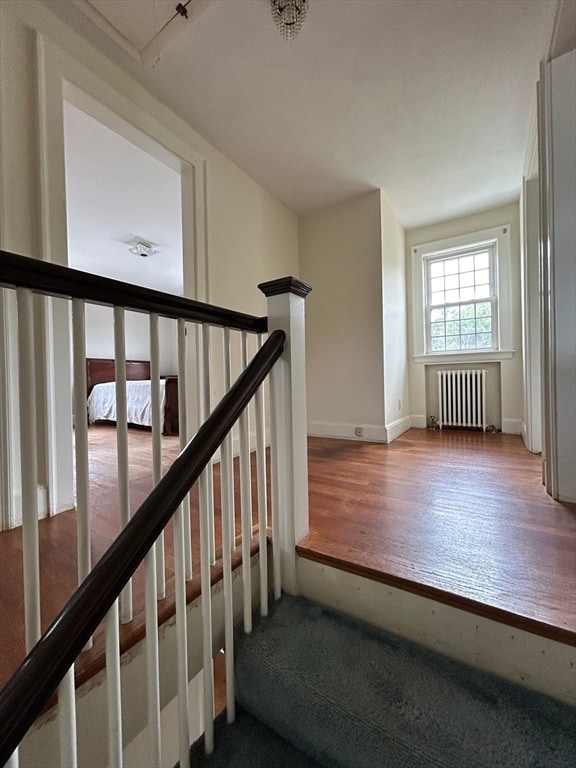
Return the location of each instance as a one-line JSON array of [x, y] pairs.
[[462, 398]]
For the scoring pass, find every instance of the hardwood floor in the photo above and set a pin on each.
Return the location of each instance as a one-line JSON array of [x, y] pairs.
[[458, 516], [58, 562]]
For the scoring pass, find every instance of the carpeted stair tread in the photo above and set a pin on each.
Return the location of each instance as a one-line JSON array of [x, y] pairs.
[[352, 696], [248, 743]]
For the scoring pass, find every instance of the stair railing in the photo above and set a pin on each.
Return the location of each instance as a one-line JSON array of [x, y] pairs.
[[50, 662]]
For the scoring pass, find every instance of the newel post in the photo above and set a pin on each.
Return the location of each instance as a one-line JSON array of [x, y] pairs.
[[289, 450]]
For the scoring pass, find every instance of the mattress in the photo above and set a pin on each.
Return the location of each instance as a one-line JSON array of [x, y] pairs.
[[102, 402]]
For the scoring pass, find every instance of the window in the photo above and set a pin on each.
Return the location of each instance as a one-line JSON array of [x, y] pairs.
[[461, 303], [461, 297]]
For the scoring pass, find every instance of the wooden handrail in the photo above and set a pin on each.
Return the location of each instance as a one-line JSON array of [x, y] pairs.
[[31, 686], [55, 280]]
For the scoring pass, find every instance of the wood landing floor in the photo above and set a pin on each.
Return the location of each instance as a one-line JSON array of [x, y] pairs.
[[458, 516]]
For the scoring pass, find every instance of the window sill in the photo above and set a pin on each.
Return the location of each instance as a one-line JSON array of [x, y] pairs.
[[489, 356]]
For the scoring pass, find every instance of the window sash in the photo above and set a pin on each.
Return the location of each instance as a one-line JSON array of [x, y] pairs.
[[461, 298]]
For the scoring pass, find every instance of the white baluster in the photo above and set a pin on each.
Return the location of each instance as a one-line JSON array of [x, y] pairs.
[[262, 495], [67, 720], [245, 498], [122, 444], [227, 458], [154, 575], [208, 669], [29, 468], [183, 434], [275, 483], [152, 664], [13, 760], [113, 685], [227, 507], [157, 445], [181, 636], [81, 440], [206, 405]]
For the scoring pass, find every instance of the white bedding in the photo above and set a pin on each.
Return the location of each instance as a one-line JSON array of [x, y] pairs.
[[102, 402]]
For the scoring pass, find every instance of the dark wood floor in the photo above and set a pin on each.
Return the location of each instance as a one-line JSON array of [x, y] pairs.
[[457, 515]]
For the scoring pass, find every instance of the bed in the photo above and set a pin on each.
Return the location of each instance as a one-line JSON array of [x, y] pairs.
[[101, 394]]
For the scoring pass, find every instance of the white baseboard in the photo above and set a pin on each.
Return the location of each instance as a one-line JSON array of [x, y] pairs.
[[509, 426], [16, 512], [397, 428], [512, 426], [566, 479], [44, 510], [370, 432]]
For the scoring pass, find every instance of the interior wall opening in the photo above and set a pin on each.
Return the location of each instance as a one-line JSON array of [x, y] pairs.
[[124, 219]]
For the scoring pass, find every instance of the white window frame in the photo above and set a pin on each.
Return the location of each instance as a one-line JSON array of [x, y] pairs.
[[492, 299], [496, 238]]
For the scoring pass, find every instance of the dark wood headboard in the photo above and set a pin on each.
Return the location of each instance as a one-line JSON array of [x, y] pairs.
[[100, 370]]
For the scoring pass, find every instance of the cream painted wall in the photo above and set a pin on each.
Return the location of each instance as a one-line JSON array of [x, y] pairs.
[[562, 355], [512, 398], [530, 224], [352, 254], [341, 258], [251, 237], [396, 389]]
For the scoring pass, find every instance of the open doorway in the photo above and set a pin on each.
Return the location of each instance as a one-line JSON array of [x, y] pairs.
[[124, 219]]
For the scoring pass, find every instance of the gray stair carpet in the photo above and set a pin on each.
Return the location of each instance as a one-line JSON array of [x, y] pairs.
[[248, 743], [352, 696]]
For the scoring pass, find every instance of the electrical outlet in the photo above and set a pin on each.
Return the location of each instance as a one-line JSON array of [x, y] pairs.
[[359, 431], [399, 404]]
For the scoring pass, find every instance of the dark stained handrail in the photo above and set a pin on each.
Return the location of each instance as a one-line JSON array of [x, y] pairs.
[[29, 689], [55, 280]]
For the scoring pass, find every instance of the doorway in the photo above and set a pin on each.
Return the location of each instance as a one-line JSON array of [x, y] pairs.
[[124, 221]]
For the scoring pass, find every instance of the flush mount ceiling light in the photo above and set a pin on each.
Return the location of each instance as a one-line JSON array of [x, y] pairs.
[[289, 16], [143, 248]]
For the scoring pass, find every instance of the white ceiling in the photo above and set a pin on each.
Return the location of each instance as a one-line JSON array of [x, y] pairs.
[[138, 27], [143, 28], [430, 100], [115, 193]]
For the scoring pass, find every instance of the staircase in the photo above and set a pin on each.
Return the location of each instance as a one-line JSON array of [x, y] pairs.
[[318, 688]]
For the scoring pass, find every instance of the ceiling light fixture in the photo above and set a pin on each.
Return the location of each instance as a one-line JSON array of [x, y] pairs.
[[289, 16], [142, 248]]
